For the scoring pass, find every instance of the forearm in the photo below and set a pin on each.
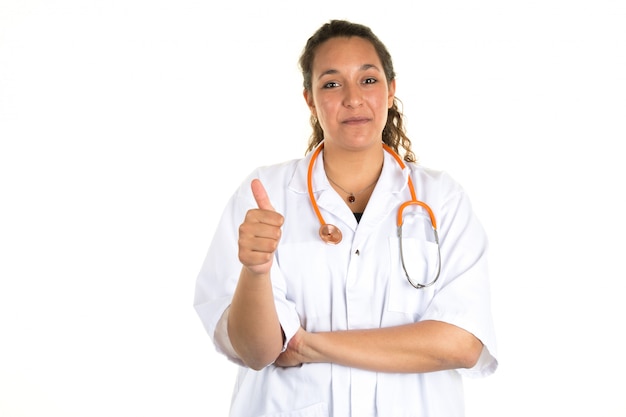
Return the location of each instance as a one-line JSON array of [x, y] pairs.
[[253, 326], [420, 347]]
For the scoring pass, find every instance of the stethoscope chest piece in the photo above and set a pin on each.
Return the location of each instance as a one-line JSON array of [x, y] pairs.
[[330, 234]]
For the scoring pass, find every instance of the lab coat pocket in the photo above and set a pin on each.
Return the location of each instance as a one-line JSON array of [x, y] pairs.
[[421, 264], [315, 410]]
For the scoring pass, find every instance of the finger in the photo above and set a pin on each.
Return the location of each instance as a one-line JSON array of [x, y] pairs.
[[259, 227], [260, 195]]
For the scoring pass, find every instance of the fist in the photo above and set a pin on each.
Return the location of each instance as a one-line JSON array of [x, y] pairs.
[[259, 233]]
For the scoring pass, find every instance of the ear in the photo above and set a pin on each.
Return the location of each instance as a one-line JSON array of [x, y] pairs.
[[391, 93], [308, 97]]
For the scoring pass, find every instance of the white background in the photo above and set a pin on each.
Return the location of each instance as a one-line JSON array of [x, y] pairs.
[[126, 124]]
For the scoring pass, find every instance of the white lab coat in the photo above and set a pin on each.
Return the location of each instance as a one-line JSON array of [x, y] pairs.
[[357, 284]]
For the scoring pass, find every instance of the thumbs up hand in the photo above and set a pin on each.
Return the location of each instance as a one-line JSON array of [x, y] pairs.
[[259, 233]]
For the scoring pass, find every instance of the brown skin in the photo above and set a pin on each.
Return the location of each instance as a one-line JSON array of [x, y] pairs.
[[257, 341], [413, 348]]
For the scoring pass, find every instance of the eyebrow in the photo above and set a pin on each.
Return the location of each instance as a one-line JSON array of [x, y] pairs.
[[363, 67]]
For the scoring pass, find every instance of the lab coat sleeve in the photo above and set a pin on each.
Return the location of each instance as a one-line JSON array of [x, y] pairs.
[[462, 297], [218, 276]]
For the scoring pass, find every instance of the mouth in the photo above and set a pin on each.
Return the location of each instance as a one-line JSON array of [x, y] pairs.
[[356, 120]]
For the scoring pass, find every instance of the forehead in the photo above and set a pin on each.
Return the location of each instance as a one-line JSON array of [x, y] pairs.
[[343, 53]]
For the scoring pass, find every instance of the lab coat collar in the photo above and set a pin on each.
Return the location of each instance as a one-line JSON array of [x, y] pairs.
[[298, 183], [392, 179], [329, 202], [389, 191]]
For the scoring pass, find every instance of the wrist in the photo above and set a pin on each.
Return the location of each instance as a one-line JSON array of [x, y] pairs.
[[253, 273], [307, 348]]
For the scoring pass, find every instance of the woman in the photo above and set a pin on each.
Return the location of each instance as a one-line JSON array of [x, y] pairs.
[[353, 320]]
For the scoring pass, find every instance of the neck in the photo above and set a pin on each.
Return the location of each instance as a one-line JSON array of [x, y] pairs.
[[354, 174]]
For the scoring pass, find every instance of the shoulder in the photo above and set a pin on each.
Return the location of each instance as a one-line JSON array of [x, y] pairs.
[[279, 175], [276, 178], [279, 172], [433, 179]]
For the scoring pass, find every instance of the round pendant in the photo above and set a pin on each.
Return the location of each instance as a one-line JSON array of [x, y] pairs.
[[351, 199], [330, 234]]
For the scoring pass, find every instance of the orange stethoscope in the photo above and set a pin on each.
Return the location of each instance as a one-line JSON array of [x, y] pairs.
[[332, 235]]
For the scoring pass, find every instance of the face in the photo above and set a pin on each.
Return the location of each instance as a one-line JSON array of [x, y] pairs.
[[349, 93]]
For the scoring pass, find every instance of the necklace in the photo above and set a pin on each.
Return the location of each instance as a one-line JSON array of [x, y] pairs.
[[351, 196]]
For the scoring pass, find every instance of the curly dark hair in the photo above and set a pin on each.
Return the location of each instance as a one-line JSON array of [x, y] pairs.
[[394, 133]]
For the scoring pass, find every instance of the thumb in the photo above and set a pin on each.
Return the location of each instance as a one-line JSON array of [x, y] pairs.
[[260, 195]]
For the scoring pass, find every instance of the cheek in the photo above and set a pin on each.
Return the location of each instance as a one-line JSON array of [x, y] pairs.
[[381, 104], [325, 108]]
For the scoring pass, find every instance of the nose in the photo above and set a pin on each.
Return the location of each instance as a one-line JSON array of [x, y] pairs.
[[352, 97]]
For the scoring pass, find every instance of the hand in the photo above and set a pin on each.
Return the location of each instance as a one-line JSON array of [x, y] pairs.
[[293, 356], [259, 233]]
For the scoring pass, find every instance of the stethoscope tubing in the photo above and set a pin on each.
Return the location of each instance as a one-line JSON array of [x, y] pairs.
[[332, 235]]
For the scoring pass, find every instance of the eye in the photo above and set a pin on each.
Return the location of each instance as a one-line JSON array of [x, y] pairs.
[[331, 84], [370, 80]]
